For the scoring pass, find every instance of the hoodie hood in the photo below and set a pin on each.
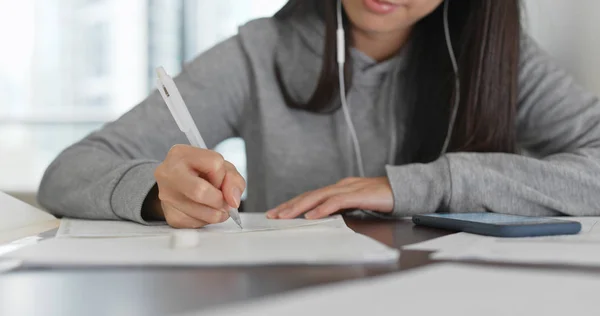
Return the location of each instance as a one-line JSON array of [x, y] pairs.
[[299, 54]]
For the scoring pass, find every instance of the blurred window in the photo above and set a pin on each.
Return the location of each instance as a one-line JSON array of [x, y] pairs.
[[68, 66]]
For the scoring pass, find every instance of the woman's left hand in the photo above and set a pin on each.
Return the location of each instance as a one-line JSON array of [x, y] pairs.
[[374, 194]]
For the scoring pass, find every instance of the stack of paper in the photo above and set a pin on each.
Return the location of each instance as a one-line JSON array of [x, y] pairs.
[[580, 249], [251, 223], [262, 241], [447, 289]]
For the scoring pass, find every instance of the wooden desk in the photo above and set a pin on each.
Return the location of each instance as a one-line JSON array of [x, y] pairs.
[[159, 291]]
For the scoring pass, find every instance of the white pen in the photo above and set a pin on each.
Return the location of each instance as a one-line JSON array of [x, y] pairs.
[[184, 120]]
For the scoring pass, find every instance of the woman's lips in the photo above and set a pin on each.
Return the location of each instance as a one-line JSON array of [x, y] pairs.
[[381, 6]]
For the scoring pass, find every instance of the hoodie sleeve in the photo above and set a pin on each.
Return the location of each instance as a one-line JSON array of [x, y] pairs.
[[558, 124], [108, 174]]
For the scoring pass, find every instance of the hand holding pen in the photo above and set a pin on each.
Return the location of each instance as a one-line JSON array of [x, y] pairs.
[[196, 186]]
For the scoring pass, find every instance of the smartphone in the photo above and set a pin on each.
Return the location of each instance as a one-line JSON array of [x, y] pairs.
[[499, 225]]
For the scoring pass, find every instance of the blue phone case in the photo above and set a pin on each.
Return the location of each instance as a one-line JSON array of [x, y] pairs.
[[499, 225]]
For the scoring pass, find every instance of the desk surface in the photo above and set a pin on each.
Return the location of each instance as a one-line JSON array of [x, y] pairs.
[[160, 291]]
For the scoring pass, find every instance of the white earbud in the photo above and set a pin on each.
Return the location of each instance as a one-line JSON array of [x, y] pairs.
[[341, 37], [456, 80]]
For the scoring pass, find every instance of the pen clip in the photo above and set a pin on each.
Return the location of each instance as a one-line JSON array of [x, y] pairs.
[[166, 97]]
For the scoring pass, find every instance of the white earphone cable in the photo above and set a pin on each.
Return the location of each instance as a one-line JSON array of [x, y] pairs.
[[456, 80], [341, 50]]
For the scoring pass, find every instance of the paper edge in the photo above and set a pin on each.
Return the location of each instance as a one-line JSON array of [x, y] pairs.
[[27, 231]]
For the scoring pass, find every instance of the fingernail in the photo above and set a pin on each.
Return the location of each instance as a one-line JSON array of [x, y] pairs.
[[311, 215], [237, 197], [270, 213]]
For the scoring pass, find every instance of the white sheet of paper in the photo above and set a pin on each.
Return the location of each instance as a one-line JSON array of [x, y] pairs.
[[590, 232], [252, 222], [294, 246], [448, 242], [529, 252], [442, 289], [581, 249], [8, 265], [17, 214], [19, 219]]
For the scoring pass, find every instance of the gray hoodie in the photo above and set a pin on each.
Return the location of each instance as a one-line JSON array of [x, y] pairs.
[[232, 91]]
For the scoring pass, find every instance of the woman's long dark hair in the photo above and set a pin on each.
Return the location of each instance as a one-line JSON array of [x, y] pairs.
[[486, 36]]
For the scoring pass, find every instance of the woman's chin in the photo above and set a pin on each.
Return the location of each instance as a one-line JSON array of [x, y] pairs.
[[379, 26]]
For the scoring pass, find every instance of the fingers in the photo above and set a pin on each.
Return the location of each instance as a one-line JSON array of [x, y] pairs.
[[194, 188], [200, 211], [374, 194], [178, 219], [218, 172], [233, 186], [349, 181], [274, 213], [309, 201], [334, 204], [195, 214], [197, 187], [204, 162]]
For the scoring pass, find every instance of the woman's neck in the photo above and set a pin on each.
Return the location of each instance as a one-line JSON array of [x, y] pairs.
[[380, 46]]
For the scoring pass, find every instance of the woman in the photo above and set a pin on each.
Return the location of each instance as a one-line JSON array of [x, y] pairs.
[[526, 138]]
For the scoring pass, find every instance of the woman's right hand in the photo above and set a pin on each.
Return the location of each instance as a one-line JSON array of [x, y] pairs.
[[196, 187]]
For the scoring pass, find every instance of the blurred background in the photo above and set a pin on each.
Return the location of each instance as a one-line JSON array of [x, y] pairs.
[[69, 66]]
